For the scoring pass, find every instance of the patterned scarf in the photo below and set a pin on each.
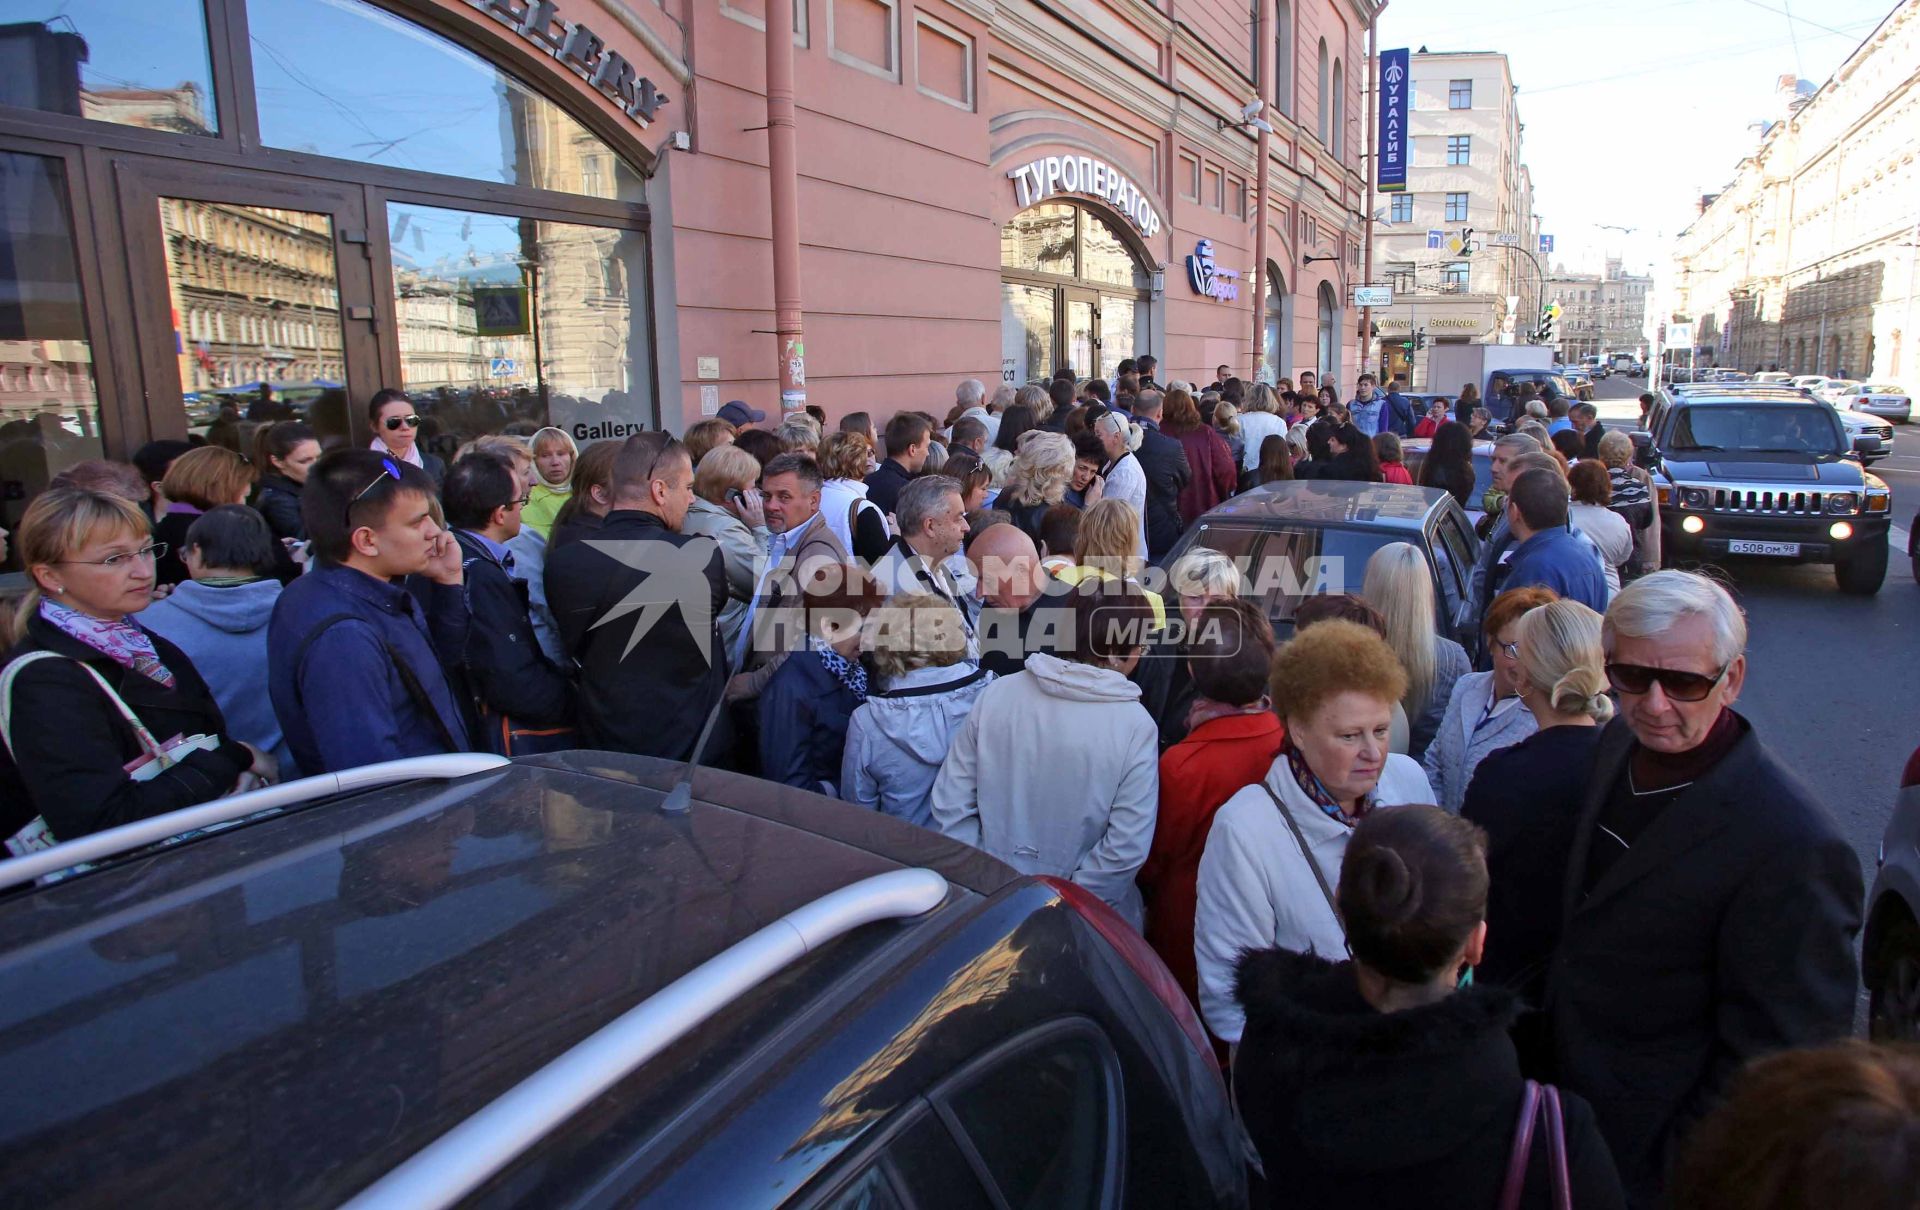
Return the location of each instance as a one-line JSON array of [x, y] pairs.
[[850, 673], [1311, 785], [120, 641]]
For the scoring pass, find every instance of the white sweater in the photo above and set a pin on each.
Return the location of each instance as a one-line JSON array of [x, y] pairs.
[[1256, 427], [1257, 891]]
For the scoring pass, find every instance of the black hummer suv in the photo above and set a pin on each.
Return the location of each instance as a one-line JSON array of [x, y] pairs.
[[1749, 470]]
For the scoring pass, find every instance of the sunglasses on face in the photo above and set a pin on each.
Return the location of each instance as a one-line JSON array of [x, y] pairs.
[[1637, 679], [388, 470], [394, 423]]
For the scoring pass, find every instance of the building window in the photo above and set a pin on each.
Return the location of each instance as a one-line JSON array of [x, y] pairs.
[[1339, 144], [1320, 97], [1457, 207], [1459, 148], [1453, 275], [1400, 209], [1400, 278], [1328, 345], [1283, 58], [1309, 229], [1460, 94]]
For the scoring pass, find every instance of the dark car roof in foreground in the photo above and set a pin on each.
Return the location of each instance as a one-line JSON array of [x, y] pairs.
[[1333, 502], [280, 1013]]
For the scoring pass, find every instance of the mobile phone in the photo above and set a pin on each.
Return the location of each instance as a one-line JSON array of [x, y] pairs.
[[737, 496]]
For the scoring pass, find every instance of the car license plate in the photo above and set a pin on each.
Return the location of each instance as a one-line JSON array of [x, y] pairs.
[[1789, 550]]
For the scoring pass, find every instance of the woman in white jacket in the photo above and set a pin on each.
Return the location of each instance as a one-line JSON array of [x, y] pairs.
[[1056, 771], [1272, 861]]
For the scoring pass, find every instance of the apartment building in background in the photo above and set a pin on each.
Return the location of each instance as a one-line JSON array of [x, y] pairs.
[[1466, 171], [1808, 260], [1600, 313]]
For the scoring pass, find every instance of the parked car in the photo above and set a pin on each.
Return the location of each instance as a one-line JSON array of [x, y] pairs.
[[1836, 389], [1301, 538], [1890, 948], [1743, 470], [1887, 400], [1774, 378], [760, 998], [1859, 424], [1811, 382], [1623, 363], [1413, 454]]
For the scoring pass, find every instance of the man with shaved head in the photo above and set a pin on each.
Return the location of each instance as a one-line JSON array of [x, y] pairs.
[[1012, 587]]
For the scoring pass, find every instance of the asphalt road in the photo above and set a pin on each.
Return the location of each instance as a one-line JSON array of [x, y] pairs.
[[1831, 678]]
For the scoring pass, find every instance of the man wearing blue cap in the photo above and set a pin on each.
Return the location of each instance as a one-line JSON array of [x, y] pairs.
[[739, 415]]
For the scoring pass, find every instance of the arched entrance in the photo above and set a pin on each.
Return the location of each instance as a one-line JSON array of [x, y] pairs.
[[1327, 347], [1279, 325], [1073, 291]]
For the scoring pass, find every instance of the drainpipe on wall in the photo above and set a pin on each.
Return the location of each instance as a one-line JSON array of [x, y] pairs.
[[1373, 176], [1263, 146], [784, 189]]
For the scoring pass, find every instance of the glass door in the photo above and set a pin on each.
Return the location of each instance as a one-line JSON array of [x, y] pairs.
[[1082, 331], [252, 299]]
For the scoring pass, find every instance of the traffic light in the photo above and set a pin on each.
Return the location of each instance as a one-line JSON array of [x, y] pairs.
[[1406, 346], [1549, 316], [1420, 339]]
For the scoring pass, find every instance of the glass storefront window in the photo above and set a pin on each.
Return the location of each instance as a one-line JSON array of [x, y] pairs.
[[1026, 332], [257, 302], [513, 323], [412, 99], [49, 409], [1039, 240], [1105, 256], [135, 62], [1116, 334]]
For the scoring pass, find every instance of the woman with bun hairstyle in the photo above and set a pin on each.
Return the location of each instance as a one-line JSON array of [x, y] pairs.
[[1527, 797], [1388, 1080]]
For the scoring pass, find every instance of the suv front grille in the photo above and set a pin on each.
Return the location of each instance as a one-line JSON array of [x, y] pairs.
[[1775, 502]]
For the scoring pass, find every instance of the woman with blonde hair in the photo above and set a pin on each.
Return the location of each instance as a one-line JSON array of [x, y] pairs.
[[88, 693], [1226, 422], [1037, 400], [1037, 480], [1261, 419], [798, 433], [1528, 797], [905, 728], [1400, 585], [591, 500], [1108, 546], [553, 452], [199, 481], [855, 520]]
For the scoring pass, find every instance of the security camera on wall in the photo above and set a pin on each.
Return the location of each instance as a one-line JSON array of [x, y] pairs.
[[1252, 110], [1261, 125]]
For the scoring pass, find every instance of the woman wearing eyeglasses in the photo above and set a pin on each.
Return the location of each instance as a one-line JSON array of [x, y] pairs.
[[89, 696], [396, 431]]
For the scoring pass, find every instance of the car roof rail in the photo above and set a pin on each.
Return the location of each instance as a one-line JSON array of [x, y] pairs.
[[465, 1157], [142, 832]]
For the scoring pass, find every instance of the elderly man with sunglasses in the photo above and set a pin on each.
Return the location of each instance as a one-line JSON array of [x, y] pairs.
[[1711, 904]]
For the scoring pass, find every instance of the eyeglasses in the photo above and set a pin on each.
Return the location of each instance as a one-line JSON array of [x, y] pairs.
[[388, 470], [150, 552], [394, 423], [1512, 649], [1681, 686]]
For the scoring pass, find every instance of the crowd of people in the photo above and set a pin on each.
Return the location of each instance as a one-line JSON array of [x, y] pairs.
[[1414, 890]]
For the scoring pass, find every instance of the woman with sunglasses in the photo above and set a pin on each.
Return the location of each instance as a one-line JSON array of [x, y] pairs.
[[89, 696], [396, 431]]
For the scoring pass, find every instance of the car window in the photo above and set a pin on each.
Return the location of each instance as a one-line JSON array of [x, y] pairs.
[[918, 1165], [1789, 428], [1040, 1120], [1454, 554]]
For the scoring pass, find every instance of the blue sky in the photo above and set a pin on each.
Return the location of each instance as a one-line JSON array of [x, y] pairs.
[[1636, 107]]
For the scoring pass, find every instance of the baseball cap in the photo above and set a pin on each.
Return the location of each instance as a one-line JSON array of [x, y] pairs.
[[737, 412]]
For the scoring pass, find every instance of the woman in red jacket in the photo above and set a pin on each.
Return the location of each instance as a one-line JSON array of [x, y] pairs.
[[1215, 477], [1232, 740]]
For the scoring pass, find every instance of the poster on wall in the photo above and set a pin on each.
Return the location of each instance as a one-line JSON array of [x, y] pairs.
[[1395, 88]]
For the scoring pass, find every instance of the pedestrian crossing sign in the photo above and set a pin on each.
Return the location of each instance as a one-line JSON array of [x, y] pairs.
[[500, 311]]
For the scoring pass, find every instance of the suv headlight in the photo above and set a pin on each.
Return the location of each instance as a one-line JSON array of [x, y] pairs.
[[1694, 497], [1843, 502]]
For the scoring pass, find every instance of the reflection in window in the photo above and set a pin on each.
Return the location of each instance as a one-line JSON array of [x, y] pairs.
[[415, 100], [49, 410], [135, 62], [1105, 256], [1116, 334], [1026, 331], [259, 307], [1039, 240], [507, 320]]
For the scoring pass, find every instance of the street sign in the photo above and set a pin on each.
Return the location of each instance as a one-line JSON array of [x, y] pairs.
[[1501, 239], [1546, 244], [500, 311], [501, 367], [1373, 296], [1680, 336], [1434, 238]]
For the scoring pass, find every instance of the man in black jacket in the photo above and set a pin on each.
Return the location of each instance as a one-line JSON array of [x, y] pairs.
[[651, 673], [1711, 905], [1164, 460], [512, 682], [908, 438], [1586, 422]]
